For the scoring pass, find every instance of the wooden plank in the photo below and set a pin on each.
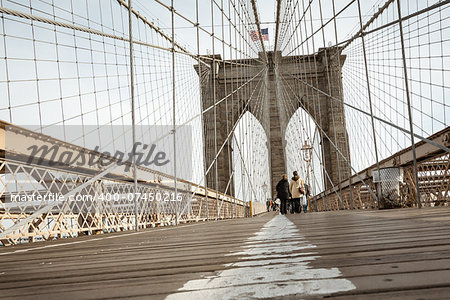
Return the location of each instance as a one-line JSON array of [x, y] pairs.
[[384, 254], [151, 262]]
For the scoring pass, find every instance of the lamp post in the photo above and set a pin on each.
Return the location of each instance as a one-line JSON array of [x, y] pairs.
[[307, 155], [264, 188]]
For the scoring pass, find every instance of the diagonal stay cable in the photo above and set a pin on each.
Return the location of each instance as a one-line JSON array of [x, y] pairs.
[[258, 25], [326, 173], [334, 145], [88, 30], [226, 139], [442, 147]]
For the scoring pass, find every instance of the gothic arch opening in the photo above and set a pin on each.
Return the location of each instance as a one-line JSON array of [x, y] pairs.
[[301, 128], [250, 160]]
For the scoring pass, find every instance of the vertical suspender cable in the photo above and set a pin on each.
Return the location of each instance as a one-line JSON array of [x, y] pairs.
[[327, 70], [174, 122], [213, 78], [316, 76], [133, 117], [411, 127], [347, 147], [202, 115], [370, 96]]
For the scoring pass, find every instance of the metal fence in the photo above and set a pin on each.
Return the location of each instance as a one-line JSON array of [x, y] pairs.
[[35, 210], [43, 201], [397, 188]]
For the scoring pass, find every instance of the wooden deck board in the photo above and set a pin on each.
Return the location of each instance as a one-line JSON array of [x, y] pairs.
[[386, 254], [392, 254]]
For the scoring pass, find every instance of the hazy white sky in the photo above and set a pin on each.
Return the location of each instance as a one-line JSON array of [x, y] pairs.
[[85, 79], [346, 22]]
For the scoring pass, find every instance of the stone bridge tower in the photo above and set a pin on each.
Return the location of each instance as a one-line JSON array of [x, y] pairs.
[[304, 77]]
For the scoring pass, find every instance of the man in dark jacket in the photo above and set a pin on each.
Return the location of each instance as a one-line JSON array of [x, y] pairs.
[[283, 193]]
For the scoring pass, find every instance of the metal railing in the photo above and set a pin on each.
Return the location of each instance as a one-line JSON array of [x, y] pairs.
[[434, 181], [45, 202]]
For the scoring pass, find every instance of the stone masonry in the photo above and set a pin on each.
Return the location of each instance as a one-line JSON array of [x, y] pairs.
[[260, 97]]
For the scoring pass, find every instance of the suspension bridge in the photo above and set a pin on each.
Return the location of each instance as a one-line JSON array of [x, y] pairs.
[[141, 140]]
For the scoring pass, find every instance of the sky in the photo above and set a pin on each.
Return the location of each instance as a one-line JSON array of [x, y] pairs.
[[84, 79]]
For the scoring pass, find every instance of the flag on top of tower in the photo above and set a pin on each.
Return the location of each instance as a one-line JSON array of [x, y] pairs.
[[265, 34]]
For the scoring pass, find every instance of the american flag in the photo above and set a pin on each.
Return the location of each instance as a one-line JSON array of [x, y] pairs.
[[265, 34]]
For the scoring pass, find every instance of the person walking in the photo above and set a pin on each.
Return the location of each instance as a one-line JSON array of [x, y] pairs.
[[294, 189], [297, 190], [304, 203], [283, 193], [305, 199]]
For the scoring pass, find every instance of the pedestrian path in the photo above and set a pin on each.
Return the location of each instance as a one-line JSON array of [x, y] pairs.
[[390, 254], [274, 262]]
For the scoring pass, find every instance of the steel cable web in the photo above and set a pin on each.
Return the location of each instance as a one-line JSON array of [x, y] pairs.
[[374, 84], [78, 89], [191, 77]]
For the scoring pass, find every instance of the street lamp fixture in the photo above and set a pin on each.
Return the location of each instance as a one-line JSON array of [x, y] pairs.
[[264, 188], [307, 155], [307, 152]]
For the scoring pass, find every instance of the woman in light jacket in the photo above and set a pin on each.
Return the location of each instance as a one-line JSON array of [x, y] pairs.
[[295, 187]]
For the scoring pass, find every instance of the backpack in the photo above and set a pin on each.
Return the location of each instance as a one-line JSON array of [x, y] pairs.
[[301, 189]]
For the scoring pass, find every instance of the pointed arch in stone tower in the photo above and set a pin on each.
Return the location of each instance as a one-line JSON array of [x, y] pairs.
[[300, 73]]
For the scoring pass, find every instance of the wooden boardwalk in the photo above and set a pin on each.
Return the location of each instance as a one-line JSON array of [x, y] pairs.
[[395, 254]]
